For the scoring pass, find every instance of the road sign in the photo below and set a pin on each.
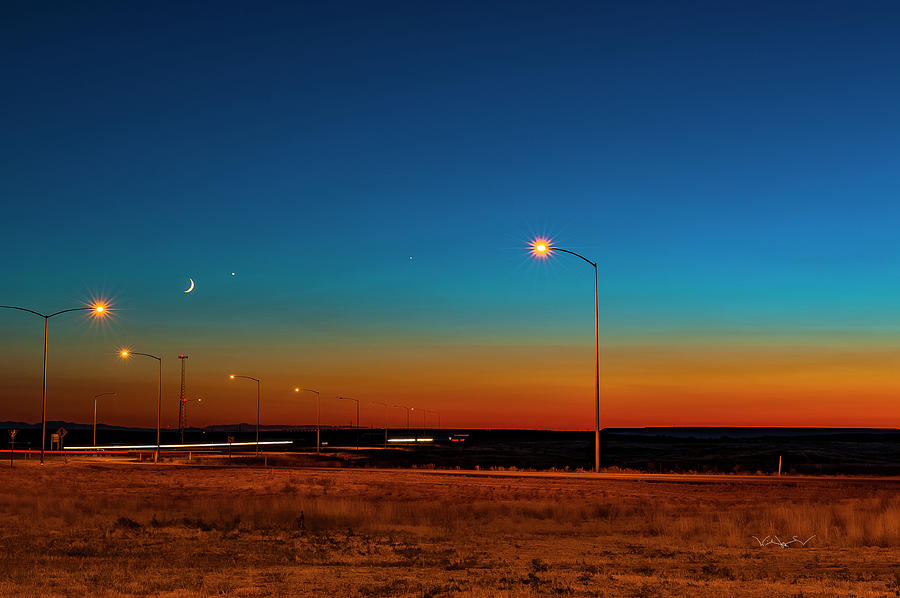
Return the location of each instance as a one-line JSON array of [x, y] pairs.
[[62, 432], [12, 434]]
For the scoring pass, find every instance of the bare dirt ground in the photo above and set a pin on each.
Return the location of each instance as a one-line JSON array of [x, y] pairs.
[[117, 529]]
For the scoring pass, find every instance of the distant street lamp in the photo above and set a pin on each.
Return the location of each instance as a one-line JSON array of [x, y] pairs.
[[99, 310], [438, 414], [385, 422], [318, 412], [102, 394], [185, 403], [542, 249], [357, 416], [408, 409], [232, 377], [125, 353]]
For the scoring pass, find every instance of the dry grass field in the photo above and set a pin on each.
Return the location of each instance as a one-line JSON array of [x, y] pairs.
[[119, 529]]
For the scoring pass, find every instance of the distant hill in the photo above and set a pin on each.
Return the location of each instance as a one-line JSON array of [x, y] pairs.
[[698, 432], [56, 424], [738, 432]]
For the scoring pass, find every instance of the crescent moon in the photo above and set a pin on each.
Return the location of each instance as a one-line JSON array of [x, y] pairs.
[[191, 288]]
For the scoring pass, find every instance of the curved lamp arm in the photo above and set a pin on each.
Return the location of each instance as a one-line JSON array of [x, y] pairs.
[[554, 248]]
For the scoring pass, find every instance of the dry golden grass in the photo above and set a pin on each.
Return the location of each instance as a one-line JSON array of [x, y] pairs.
[[118, 529]]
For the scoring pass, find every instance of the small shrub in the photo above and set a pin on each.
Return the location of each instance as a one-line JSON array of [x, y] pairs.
[[80, 549], [539, 565], [894, 584], [126, 523], [196, 523], [713, 571], [392, 588], [462, 564]]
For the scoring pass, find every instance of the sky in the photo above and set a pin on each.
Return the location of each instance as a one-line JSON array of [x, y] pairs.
[[352, 187]]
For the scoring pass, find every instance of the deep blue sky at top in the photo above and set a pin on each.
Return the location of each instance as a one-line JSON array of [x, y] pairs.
[[732, 165]]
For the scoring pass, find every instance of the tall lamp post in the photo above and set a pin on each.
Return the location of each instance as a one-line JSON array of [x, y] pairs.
[[232, 377], [542, 249], [198, 400], [385, 422], [408, 409], [437, 413], [102, 394], [318, 412], [125, 353], [98, 309], [357, 416]]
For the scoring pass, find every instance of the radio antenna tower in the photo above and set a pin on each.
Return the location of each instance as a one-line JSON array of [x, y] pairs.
[[182, 401]]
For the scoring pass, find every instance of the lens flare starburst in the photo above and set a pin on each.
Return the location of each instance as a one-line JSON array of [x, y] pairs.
[[541, 248], [100, 308]]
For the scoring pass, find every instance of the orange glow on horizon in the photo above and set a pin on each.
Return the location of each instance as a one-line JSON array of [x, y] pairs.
[[523, 384], [541, 247]]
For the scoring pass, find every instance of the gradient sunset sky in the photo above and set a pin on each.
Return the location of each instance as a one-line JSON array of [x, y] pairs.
[[372, 173]]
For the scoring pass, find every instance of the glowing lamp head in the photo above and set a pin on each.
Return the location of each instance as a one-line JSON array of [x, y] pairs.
[[99, 309], [541, 248], [231, 376], [296, 389], [124, 353]]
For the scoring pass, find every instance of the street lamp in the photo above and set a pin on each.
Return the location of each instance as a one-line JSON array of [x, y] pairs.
[[437, 413], [98, 310], [232, 377], [125, 353], [357, 416], [318, 412], [102, 394], [385, 422], [408, 409], [542, 249], [185, 403]]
